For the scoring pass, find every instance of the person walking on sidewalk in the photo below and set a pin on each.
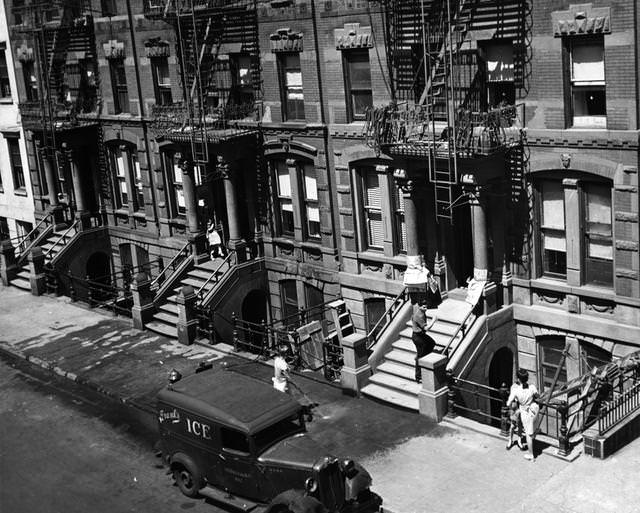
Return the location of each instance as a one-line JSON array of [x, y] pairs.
[[281, 370], [526, 395], [423, 342]]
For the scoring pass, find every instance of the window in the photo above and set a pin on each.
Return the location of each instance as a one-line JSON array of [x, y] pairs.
[[23, 228], [586, 95], [30, 81], [4, 229], [242, 85], [42, 176], [357, 72], [501, 89], [108, 7], [314, 298], [174, 179], [119, 86], [589, 235], [280, 430], [598, 247], [312, 210], [554, 241], [5, 87], [284, 199], [398, 219], [550, 354], [291, 93], [374, 309], [127, 178], [233, 440], [16, 162], [372, 203], [161, 80], [289, 301]]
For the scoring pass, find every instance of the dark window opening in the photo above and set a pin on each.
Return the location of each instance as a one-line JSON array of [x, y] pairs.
[[30, 81], [119, 86], [234, 440], [291, 91], [278, 431], [16, 163], [357, 83], [5, 87], [161, 80]]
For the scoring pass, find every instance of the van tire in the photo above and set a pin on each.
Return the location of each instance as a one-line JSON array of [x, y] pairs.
[[187, 477]]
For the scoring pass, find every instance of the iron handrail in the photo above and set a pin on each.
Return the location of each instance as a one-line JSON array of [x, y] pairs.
[[74, 226], [214, 274], [161, 274], [303, 313], [445, 351], [32, 232], [388, 315]]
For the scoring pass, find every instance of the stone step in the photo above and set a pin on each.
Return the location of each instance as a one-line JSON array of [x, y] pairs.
[[387, 395], [441, 326], [162, 329], [171, 308], [196, 283], [405, 343], [24, 273], [202, 274], [401, 357], [406, 386], [400, 370], [21, 283], [166, 317], [210, 265]]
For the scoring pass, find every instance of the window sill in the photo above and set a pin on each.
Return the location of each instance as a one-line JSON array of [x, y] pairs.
[[21, 192], [381, 257], [559, 285], [6, 101]]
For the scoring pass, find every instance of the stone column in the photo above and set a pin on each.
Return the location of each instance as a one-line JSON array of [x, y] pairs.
[[413, 275], [235, 243], [52, 185], [432, 396], [187, 320], [480, 243], [355, 370], [189, 191], [8, 267], [37, 277], [143, 308], [81, 211]]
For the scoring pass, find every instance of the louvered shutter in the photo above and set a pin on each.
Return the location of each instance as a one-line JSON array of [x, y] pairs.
[[373, 209]]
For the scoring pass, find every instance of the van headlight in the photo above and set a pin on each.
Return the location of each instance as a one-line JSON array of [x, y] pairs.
[[310, 485]]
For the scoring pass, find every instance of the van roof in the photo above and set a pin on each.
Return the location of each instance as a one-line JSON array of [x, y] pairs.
[[230, 399]]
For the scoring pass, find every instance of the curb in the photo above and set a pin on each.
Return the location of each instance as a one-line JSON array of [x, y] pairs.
[[80, 380]]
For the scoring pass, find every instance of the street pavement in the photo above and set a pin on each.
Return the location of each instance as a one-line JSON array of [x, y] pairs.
[[417, 466]]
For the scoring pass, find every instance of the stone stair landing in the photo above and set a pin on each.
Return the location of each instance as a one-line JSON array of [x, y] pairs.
[[394, 379]]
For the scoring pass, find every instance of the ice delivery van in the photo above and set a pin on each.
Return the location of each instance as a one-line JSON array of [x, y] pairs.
[[237, 441]]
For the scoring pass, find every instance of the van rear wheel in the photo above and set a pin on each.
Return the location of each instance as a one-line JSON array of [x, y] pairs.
[[188, 480]]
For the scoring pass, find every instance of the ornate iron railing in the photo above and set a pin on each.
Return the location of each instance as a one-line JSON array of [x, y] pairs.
[[618, 409], [374, 333]]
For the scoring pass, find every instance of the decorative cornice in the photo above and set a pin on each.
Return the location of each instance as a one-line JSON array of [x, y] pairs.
[[156, 47], [113, 49], [285, 40], [581, 19], [353, 36]]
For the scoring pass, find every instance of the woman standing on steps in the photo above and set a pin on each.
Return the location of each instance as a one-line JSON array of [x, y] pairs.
[[423, 342], [526, 396]]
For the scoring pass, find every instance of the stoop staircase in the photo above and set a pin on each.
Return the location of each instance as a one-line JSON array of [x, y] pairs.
[[393, 380], [51, 246], [203, 277]]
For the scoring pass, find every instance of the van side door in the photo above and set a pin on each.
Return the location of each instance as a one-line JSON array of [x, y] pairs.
[[237, 466]]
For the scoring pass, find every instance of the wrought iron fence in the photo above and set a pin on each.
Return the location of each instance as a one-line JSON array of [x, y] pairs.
[[480, 402], [619, 408]]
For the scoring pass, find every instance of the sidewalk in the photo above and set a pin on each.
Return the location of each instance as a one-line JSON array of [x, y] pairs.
[[417, 466]]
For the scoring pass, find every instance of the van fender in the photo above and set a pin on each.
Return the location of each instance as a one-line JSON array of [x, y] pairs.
[[180, 458], [295, 501]]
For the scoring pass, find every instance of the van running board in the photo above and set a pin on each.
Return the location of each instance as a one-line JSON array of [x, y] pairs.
[[230, 500]]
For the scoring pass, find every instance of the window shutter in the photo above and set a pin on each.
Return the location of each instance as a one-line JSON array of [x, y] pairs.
[[284, 180], [552, 205], [373, 190], [375, 229], [310, 183]]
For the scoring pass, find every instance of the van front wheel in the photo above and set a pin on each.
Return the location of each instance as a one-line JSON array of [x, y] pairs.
[[188, 480]]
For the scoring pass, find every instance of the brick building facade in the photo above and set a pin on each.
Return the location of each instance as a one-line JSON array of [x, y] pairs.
[[258, 117]]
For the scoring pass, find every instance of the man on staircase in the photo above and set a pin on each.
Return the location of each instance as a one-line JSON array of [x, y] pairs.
[[423, 342]]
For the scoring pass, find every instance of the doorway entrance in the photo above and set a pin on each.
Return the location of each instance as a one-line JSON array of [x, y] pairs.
[[500, 372]]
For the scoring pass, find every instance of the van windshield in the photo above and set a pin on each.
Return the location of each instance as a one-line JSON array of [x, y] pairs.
[[278, 431]]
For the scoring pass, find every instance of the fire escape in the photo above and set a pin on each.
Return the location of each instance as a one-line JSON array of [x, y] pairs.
[[60, 44], [218, 50], [440, 111]]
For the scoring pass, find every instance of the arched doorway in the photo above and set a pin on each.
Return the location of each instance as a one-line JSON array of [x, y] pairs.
[[98, 273], [254, 310], [500, 372]]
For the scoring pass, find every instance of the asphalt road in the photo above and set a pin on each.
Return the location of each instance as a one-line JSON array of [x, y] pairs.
[[62, 451]]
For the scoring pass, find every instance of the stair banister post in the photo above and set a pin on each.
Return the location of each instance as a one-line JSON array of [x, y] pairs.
[[504, 410], [355, 369], [564, 447], [187, 320], [143, 308], [451, 394], [89, 290], [72, 290], [8, 267], [37, 277], [234, 319], [433, 396]]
